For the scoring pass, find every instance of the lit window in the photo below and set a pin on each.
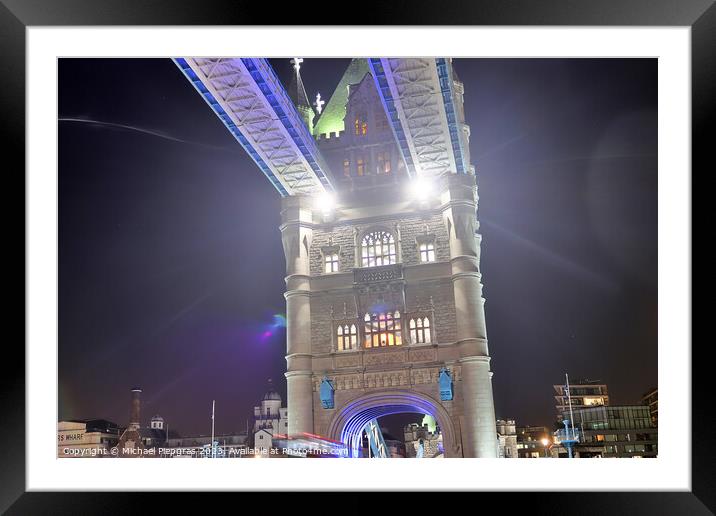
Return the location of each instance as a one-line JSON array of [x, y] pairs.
[[346, 167], [360, 166], [331, 262], [361, 125], [347, 337], [381, 330], [384, 162], [378, 248], [427, 252], [420, 330]]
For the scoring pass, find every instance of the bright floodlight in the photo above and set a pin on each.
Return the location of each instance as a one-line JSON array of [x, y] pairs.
[[545, 442], [326, 202], [420, 188]]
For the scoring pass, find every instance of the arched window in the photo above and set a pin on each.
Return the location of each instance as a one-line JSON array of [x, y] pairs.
[[378, 248], [420, 330], [382, 329], [347, 337]]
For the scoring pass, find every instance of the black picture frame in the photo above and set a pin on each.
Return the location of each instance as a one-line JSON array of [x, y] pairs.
[[17, 15]]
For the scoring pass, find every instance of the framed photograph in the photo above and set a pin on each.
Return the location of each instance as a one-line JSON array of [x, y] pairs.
[[235, 253]]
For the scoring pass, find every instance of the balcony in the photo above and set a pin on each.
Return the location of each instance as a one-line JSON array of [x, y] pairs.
[[380, 273]]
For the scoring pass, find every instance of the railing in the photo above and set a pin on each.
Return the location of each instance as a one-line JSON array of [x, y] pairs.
[[378, 273]]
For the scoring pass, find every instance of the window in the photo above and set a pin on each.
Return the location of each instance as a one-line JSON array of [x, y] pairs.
[[346, 167], [361, 124], [382, 330], [360, 166], [384, 163], [378, 248], [347, 337], [331, 262], [420, 330], [427, 252]]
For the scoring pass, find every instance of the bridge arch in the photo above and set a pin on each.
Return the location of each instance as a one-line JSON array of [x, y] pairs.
[[348, 422]]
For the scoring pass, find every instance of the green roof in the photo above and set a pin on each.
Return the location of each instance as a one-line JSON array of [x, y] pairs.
[[332, 117]]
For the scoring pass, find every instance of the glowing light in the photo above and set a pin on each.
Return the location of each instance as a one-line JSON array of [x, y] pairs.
[[326, 202], [420, 188]]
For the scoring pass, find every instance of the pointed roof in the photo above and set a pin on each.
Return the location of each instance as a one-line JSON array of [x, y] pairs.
[[296, 90], [331, 120]]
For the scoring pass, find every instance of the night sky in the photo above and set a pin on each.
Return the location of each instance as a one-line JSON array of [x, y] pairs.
[[170, 260]]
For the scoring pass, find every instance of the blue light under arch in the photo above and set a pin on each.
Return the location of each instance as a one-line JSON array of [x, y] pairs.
[[347, 425]]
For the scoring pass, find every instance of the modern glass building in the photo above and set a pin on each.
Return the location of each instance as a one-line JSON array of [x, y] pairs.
[[613, 431]]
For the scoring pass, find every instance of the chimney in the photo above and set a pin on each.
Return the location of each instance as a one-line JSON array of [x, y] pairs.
[[136, 405]]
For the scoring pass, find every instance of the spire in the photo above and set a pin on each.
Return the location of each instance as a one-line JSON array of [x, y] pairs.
[[297, 93]]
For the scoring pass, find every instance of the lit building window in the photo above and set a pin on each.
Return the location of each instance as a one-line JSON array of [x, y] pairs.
[[381, 330], [420, 330], [346, 337], [346, 167], [384, 162], [331, 262], [378, 248], [427, 252], [360, 166], [361, 125]]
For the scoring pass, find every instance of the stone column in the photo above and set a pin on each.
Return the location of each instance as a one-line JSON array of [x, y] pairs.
[[296, 235], [460, 205]]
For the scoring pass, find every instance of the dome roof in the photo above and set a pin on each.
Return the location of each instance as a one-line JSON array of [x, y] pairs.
[[157, 418], [271, 394]]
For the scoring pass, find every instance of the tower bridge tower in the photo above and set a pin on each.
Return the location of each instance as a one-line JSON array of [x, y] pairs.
[[384, 302]]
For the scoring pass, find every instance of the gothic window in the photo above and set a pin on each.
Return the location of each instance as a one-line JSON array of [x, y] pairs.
[[420, 330], [378, 248], [346, 167], [427, 252], [360, 166], [331, 262], [382, 329], [346, 337], [384, 163], [361, 124]]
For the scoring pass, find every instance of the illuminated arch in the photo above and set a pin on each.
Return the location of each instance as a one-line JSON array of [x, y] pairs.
[[348, 423]]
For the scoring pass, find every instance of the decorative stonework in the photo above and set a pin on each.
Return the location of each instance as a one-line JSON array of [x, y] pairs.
[[382, 273], [352, 360], [384, 357], [423, 355]]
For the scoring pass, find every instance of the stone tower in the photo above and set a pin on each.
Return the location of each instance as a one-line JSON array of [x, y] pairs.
[[383, 287]]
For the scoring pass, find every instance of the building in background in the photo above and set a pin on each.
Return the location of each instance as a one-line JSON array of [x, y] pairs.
[[86, 437], [533, 442], [585, 393], [651, 400], [506, 439], [270, 418], [613, 431], [425, 436]]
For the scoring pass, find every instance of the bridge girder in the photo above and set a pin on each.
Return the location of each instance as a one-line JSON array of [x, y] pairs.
[[419, 100], [248, 97]]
